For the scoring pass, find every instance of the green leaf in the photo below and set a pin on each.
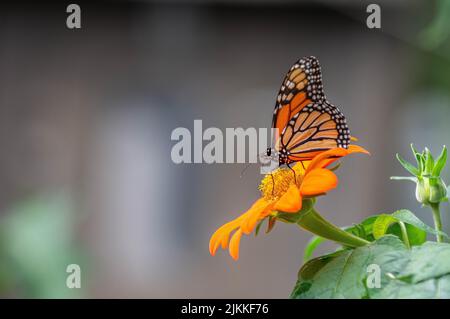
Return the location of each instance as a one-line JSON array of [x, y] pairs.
[[426, 275], [311, 246], [416, 230], [383, 222], [301, 287], [343, 276], [311, 267], [408, 166], [367, 225], [422, 272], [440, 162], [428, 261], [436, 288], [408, 217], [416, 236], [309, 270]]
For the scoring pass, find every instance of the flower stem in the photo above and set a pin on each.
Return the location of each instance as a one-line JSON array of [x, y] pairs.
[[405, 235], [315, 223], [437, 221]]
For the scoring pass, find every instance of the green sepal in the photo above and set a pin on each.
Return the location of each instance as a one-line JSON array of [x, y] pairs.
[[404, 178], [408, 166], [419, 158], [440, 162], [258, 227], [429, 162]]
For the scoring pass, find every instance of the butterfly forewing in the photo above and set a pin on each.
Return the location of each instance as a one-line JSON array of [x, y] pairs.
[[307, 123], [301, 86]]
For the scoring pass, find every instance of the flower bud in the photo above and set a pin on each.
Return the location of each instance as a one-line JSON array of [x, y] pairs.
[[430, 190]]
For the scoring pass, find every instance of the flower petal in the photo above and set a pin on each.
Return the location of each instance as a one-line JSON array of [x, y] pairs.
[[300, 167], [221, 235], [253, 215], [326, 158], [290, 202], [234, 244], [357, 149], [318, 181], [217, 239], [260, 209]]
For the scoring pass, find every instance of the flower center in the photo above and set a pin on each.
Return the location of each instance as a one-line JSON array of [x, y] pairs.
[[275, 184]]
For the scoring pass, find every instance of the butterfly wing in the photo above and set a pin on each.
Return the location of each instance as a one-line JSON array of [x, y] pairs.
[[307, 123], [316, 128], [301, 86]]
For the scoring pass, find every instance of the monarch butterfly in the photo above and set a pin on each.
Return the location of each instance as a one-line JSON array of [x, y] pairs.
[[307, 124]]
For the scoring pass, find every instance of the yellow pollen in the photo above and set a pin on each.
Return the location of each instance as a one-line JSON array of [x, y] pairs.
[[275, 184]]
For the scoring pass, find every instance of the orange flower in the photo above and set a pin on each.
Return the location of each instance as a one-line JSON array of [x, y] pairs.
[[281, 192]]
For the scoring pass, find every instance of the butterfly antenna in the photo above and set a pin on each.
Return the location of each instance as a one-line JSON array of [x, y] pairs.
[[243, 171]]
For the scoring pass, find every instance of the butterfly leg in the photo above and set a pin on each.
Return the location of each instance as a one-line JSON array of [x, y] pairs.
[[293, 171], [303, 165], [273, 184]]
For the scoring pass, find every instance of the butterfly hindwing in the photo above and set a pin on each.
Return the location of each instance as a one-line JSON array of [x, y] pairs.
[[316, 128]]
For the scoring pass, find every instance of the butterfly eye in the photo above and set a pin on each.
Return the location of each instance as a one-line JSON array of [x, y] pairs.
[[269, 151]]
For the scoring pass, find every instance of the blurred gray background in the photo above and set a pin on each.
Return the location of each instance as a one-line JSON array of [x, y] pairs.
[[86, 116]]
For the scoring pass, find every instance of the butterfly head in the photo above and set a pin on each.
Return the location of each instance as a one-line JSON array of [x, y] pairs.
[[270, 155], [283, 157]]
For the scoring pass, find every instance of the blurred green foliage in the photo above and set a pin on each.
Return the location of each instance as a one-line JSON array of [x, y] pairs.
[[438, 31], [36, 246], [434, 40]]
